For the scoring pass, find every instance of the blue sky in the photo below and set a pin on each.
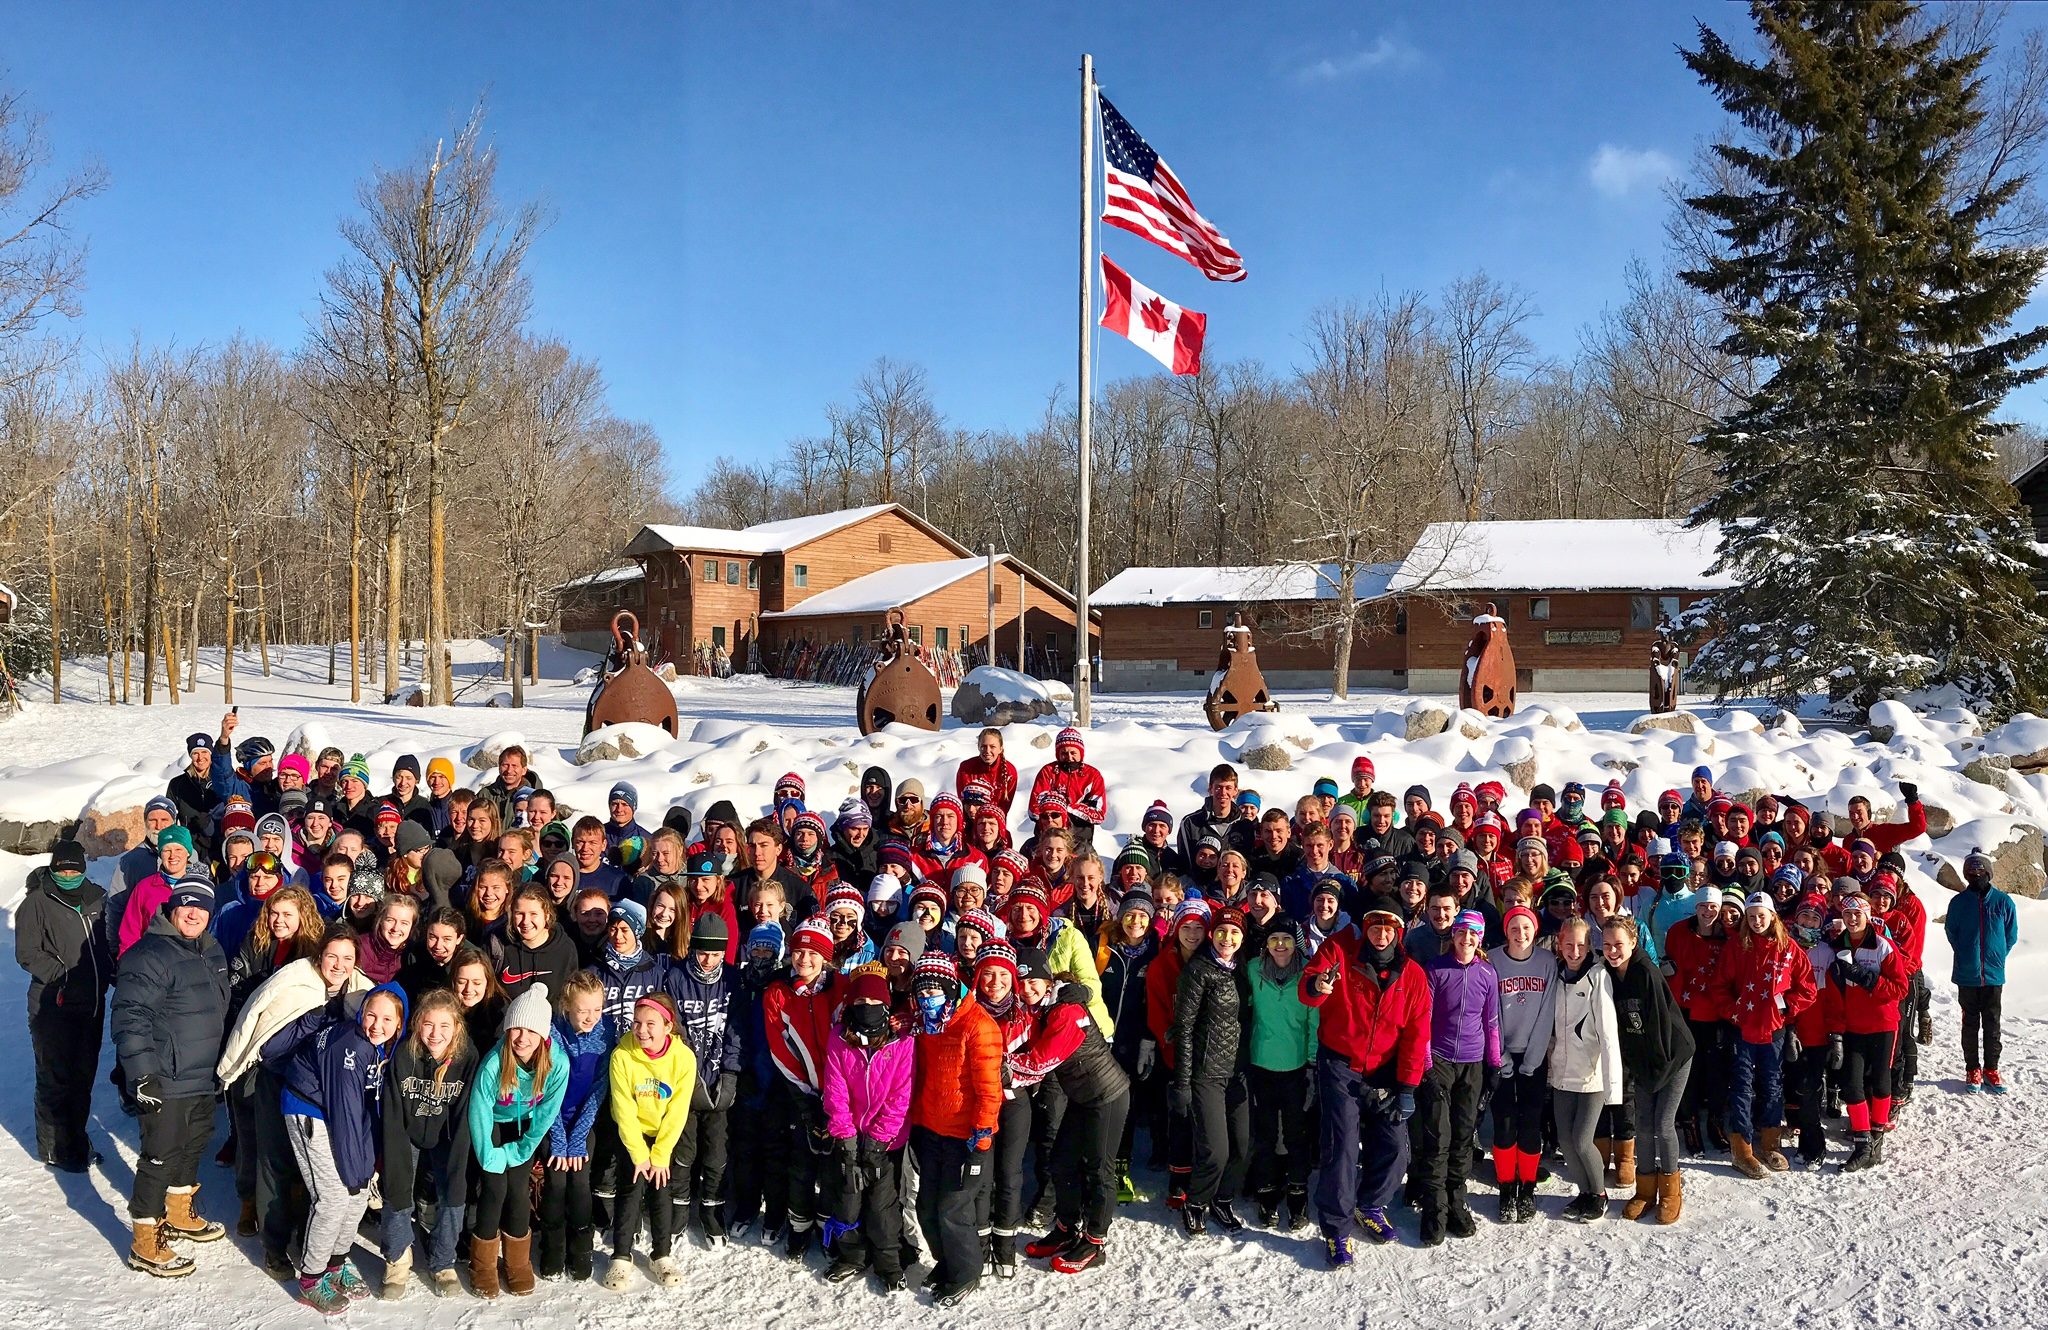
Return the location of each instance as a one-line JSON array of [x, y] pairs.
[[750, 203]]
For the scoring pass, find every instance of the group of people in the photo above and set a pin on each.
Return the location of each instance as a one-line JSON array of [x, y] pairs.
[[935, 1025]]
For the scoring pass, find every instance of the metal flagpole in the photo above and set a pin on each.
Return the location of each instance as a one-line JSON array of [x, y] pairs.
[[1084, 659]]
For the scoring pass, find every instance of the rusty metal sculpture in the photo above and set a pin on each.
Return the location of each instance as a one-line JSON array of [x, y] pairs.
[[1487, 682], [627, 690], [1238, 687], [899, 689], [1663, 675]]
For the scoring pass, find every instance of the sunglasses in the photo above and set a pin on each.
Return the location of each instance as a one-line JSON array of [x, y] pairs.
[[908, 799]]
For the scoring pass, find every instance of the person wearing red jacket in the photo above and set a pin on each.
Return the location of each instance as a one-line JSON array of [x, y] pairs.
[[1767, 980], [797, 1013], [1189, 931], [1806, 1076], [1860, 996], [1692, 956], [1078, 784], [954, 1111], [1888, 835], [990, 766], [1904, 917], [1373, 1030]]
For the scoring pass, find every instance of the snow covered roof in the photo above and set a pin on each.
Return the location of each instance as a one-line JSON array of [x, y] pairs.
[[880, 592], [1616, 554], [762, 537], [1236, 584], [625, 572]]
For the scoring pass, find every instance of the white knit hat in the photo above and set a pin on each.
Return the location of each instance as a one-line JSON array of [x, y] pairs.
[[530, 1011]]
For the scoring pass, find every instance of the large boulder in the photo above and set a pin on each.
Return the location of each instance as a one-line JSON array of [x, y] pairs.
[[608, 743], [110, 831], [1993, 769], [1269, 757], [990, 695], [1677, 722], [32, 836], [2023, 741], [2017, 865], [1424, 719]]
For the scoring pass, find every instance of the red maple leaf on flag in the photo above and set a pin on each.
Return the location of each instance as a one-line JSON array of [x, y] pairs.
[[1154, 314]]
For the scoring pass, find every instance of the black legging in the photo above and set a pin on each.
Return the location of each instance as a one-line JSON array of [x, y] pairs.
[[1518, 1104], [1084, 1164], [1012, 1143], [1867, 1066], [1981, 1010], [1222, 1120], [1281, 1130], [1708, 1084], [504, 1203]]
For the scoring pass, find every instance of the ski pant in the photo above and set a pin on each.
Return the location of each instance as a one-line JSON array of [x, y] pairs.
[[504, 1203], [700, 1160], [279, 1209], [1803, 1087], [1448, 1110], [1084, 1164], [1222, 1119], [952, 1178], [447, 1230], [1578, 1122], [759, 1154], [567, 1229], [1518, 1104], [337, 1211], [872, 1209], [1005, 1208], [638, 1196], [805, 1169], [173, 1139], [1657, 1120], [1867, 1066], [1756, 1086], [1357, 1121], [1906, 1049], [1705, 1098], [1981, 1011], [1280, 1128], [67, 1051], [1146, 1107], [1048, 1109]]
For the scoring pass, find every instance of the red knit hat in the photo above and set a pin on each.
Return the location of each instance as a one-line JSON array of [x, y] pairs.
[[1069, 735], [1362, 766], [1028, 889], [815, 934], [998, 953]]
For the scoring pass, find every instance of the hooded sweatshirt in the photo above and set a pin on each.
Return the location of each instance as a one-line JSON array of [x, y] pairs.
[[336, 1075], [426, 1107]]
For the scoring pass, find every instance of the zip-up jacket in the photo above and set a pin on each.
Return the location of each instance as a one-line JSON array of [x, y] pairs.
[[650, 1097], [798, 1025], [60, 939], [1377, 1021], [336, 1074], [867, 1090]]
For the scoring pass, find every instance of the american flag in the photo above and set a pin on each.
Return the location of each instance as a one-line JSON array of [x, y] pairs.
[[1141, 194]]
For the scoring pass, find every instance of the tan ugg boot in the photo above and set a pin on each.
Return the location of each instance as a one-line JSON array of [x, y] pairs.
[[1770, 1156], [519, 1265], [1670, 1198], [181, 1222], [1625, 1163], [150, 1254], [1744, 1158], [483, 1266], [1645, 1197]]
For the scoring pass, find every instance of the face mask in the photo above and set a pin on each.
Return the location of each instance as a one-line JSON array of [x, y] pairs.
[[932, 1010], [68, 881], [867, 1024]]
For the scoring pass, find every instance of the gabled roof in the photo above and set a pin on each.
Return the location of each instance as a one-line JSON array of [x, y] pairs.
[[1238, 584], [771, 537], [882, 591], [1614, 554], [625, 572]]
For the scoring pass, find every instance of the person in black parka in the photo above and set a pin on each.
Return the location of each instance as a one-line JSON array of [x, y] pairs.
[[1212, 1042], [59, 938]]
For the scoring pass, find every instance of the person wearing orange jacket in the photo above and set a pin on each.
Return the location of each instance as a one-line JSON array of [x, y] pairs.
[[797, 1015], [1162, 992], [1860, 996], [1373, 1035], [954, 1110], [1768, 981]]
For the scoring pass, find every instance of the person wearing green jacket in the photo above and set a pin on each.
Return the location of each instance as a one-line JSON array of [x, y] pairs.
[[518, 1095], [1282, 1077]]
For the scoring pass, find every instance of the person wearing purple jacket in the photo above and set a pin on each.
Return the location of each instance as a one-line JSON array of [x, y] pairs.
[[866, 1087], [1464, 1050]]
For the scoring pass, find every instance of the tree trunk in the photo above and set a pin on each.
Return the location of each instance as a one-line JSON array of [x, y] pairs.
[[170, 658], [515, 647], [262, 622], [127, 597], [394, 564], [107, 621], [355, 597], [152, 628], [533, 657], [56, 608], [438, 680], [192, 645], [227, 653]]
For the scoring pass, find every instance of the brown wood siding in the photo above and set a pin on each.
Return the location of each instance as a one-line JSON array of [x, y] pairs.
[[1437, 635], [590, 609], [1173, 632], [850, 552], [961, 605]]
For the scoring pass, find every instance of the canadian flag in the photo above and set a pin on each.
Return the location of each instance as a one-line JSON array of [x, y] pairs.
[[1158, 327]]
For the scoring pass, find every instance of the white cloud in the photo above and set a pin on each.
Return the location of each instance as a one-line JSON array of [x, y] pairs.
[[1386, 53], [1619, 172]]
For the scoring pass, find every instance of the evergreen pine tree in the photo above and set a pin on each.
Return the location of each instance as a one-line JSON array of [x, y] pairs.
[[1874, 541]]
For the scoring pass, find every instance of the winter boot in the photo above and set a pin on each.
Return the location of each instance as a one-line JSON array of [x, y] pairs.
[[245, 1223], [1432, 1227], [349, 1280], [843, 1269], [1510, 1199], [181, 1223], [1176, 1187], [1085, 1253], [1587, 1207], [1002, 1253], [1337, 1248], [447, 1284], [798, 1242], [1192, 1222], [1056, 1240], [952, 1295], [1625, 1163], [1923, 1025], [149, 1253], [483, 1266], [551, 1252], [1645, 1197], [1605, 1146], [1458, 1219], [1717, 1137], [1744, 1158], [1689, 1137], [1771, 1157], [1297, 1208], [1859, 1154], [397, 1274], [1525, 1203], [519, 1265], [582, 1253], [1670, 1197], [1375, 1225], [1877, 1149], [1269, 1208], [1226, 1218]]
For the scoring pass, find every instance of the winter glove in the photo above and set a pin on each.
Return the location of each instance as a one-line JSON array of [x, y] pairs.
[[1909, 792], [1486, 1089], [1834, 1052], [728, 1091], [1148, 1054], [980, 1139], [1308, 1092], [1793, 1048], [874, 1156], [1404, 1107], [149, 1094], [1180, 1099], [1867, 976], [1844, 970]]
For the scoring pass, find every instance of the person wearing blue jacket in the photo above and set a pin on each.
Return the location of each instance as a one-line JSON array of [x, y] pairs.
[[760, 1170], [579, 1152], [714, 1019], [519, 1090], [630, 970], [1982, 930], [333, 1080]]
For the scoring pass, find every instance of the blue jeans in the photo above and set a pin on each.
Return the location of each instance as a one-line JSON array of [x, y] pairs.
[[447, 1232], [1758, 1071]]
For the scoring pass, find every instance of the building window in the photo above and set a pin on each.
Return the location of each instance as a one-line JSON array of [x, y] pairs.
[[1667, 606], [1645, 612], [1539, 607], [718, 638], [1051, 643], [711, 570], [917, 635], [939, 637], [1205, 618], [999, 593], [753, 575], [801, 574], [966, 637], [883, 543], [732, 572]]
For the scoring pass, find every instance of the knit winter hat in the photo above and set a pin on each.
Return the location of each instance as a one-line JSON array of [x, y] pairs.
[[635, 914], [949, 800], [197, 740], [1612, 797], [929, 890], [406, 762], [1069, 735], [1032, 964], [998, 953], [1194, 908], [1464, 861], [970, 872], [530, 1011], [768, 936], [1328, 886], [935, 967], [1027, 890], [908, 936], [790, 784], [387, 812], [1471, 921], [883, 889], [238, 818], [1542, 793], [1019, 866], [1325, 786], [982, 922], [1051, 804], [173, 836], [709, 932], [870, 984], [812, 934], [1975, 864], [444, 767], [897, 853], [1137, 898], [160, 804], [812, 820], [912, 786], [624, 793], [1709, 895], [1514, 912], [1464, 795], [1228, 916], [855, 812], [975, 791], [297, 765], [192, 891], [412, 836], [1760, 898], [1156, 813], [356, 768], [1362, 766]]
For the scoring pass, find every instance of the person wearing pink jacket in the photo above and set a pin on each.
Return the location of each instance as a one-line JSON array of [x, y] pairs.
[[866, 1086]]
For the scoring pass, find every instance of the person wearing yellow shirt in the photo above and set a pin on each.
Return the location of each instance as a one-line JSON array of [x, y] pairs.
[[653, 1074]]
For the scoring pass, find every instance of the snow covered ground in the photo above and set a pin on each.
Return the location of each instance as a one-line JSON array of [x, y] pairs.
[[1953, 1231]]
